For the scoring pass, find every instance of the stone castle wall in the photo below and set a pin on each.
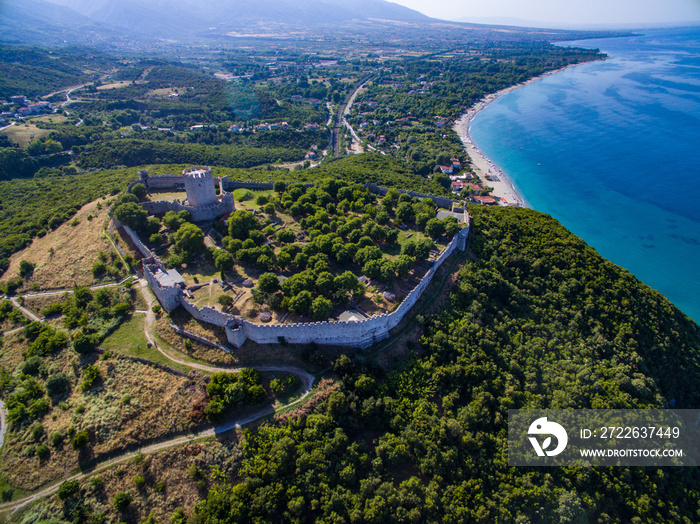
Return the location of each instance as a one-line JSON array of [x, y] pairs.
[[439, 201], [207, 314], [231, 185], [199, 214], [160, 181], [145, 252]]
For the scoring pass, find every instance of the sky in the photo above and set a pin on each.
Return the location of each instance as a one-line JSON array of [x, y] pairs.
[[560, 13]]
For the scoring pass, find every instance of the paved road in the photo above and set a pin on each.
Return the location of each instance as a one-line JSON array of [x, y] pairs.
[[345, 109]]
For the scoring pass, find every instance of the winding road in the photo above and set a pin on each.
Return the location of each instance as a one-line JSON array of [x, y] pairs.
[[306, 378]]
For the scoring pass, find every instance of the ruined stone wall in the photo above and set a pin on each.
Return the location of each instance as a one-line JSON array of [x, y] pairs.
[[439, 201], [196, 337], [199, 214], [145, 252], [161, 207], [355, 334], [230, 185], [207, 314], [163, 181]]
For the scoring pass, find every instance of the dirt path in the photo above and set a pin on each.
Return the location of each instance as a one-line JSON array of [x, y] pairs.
[[13, 507], [306, 378], [24, 310], [3, 422], [62, 291]]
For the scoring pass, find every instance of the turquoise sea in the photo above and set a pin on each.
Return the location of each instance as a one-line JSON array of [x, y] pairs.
[[612, 150]]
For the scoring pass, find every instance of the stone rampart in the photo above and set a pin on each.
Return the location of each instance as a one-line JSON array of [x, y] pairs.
[[207, 314], [163, 181], [439, 201], [199, 214], [197, 338], [360, 334], [230, 185], [145, 252]]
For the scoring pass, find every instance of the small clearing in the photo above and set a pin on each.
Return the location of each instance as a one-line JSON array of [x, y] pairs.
[[24, 134]]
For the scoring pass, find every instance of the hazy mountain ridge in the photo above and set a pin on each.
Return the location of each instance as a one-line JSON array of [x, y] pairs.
[[168, 19], [41, 22], [134, 25]]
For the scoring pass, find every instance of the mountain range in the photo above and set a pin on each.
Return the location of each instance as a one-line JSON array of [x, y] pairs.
[[182, 18], [129, 24]]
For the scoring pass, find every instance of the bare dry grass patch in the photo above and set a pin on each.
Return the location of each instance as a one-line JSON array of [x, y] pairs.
[[64, 257], [24, 134], [173, 478], [132, 402]]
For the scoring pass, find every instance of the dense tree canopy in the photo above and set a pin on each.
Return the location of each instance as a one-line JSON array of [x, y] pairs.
[[537, 319]]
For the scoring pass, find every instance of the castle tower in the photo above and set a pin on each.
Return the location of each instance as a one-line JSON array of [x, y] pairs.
[[199, 184]]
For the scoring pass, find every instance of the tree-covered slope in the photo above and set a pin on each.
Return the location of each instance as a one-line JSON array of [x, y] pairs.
[[536, 319]]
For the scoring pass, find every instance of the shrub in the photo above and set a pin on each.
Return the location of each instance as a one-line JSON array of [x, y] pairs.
[[268, 283], [122, 500], [156, 239], [90, 375], [56, 439], [97, 482], [42, 451], [68, 489], [26, 268], [32, 366], [99, 269], [256, 394], [286, 236], [52, 309], [139, 481], [37, 431], [140, 191], [80, 440], [156, 308], [225, 301], [321, 308], [83, 344], [57, 384]]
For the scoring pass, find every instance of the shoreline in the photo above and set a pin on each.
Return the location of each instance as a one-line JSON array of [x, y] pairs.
[[503, 186]]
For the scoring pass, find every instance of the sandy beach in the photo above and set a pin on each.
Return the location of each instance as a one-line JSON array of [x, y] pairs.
[[503, 188]]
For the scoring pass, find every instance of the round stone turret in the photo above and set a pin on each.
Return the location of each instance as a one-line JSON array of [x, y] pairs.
[[199, 184]]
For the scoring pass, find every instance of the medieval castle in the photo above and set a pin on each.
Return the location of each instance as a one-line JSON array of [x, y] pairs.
[[203, 204]]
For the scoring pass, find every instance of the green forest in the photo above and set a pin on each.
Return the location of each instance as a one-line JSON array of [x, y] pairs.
[[536, 319]]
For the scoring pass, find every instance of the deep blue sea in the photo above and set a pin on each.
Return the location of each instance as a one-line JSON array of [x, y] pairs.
[[612, 150]]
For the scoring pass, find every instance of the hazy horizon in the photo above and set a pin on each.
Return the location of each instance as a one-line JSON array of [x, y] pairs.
[[558, 14]]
